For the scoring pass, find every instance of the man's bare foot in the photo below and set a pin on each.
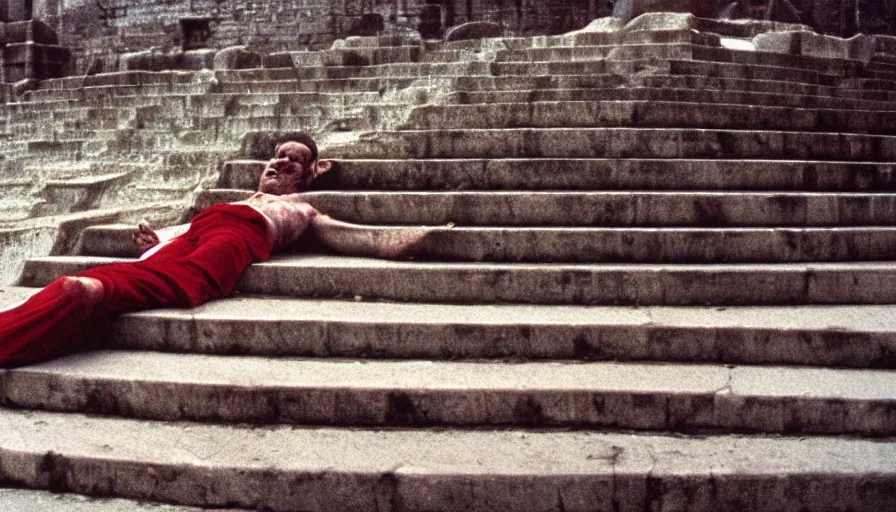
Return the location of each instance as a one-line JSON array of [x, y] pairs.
[[145, 238]]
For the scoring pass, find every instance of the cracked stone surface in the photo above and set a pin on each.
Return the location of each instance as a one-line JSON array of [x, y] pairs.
[[425, 468]]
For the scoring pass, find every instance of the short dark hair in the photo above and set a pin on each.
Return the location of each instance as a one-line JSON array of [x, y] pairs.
[[300, 137]]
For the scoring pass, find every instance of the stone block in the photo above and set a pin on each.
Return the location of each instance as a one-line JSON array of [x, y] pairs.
[[608, 24], [355, 42], [278, 60], [884, 48], [474, 30], [628, 10], [153, 60], [34, 31], [430, 25], [305, 59], [237, 57], [859, 47], [661, 21], [196, 59], [369, 24]]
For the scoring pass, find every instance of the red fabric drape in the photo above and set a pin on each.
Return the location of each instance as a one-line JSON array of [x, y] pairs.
[[202, 264]]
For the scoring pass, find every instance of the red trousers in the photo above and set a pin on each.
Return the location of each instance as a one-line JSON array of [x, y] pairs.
[[202, 264]]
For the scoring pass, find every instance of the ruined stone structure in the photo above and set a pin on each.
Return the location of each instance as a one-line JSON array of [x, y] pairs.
[[99, 31], [670, 284]]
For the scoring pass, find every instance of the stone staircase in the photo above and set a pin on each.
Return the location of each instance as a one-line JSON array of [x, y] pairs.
[[668, 287]]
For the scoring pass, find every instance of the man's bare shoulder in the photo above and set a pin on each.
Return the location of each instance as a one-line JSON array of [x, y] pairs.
[[261, 197]]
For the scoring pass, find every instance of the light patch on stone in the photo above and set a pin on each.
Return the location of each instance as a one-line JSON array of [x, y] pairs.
[[738, 44]]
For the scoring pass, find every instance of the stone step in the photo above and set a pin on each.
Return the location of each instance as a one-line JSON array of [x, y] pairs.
[[547, 81], [707, 45], [664, 397], [588, 174], [595, 209], [77, 194], [28, 500], [686, 58], [247, 77], [595, 245], [112, 95], [695, 49], [670, 59], [660, 80], [133, 77], [686, 143], [649, 50], [285, 467], [848, 336], [828, 67], [310, 275], [238, 125], [643, 93], [582, 41], [648, 114], [71, 148], [649, 66], [120, 109]]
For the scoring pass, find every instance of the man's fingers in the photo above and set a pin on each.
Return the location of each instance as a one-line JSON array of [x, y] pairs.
[[145, 237]]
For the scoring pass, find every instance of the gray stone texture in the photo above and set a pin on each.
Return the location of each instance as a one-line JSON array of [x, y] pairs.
[[671, 237], [474, 30], [290, 468]]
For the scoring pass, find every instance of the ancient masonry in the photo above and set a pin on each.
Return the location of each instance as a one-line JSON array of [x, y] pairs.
[[669, 286]]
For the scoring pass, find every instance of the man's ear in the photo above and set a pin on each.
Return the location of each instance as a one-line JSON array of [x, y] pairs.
[[322, 167]]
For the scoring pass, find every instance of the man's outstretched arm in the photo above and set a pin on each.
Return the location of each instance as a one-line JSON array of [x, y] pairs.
[[375, 241]]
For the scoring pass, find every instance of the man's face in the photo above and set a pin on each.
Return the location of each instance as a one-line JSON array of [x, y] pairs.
[[291, 170]]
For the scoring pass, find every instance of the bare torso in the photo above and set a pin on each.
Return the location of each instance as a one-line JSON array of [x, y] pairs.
[[288, 216]]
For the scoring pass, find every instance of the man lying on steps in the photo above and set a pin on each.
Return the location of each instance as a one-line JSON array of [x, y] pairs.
[[185, 266]]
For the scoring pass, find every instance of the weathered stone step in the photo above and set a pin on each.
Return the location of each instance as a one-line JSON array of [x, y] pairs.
[[683, 59], [672, 66], [597, 80], [637, 51], [285, 467], [559, 47], [850, 336], [706, 45], [667, 59], [99, 92], [119, 78], [826, 67], [597, 88], [238, 125], [589, 174], [595, 245], [648, 114], [642, 93], [620, 143], [76, 194], [700, 47], [604, 209], [595, 284], [661, 80], [666, 397], [630, 73], [28, 500]]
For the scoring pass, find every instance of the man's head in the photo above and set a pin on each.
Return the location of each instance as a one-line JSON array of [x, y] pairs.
[[294, 166]]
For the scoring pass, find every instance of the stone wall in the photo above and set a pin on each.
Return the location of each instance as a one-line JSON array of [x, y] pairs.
[[98, 31]]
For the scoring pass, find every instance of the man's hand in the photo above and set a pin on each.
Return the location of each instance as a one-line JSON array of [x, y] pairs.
[[145, 238]]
